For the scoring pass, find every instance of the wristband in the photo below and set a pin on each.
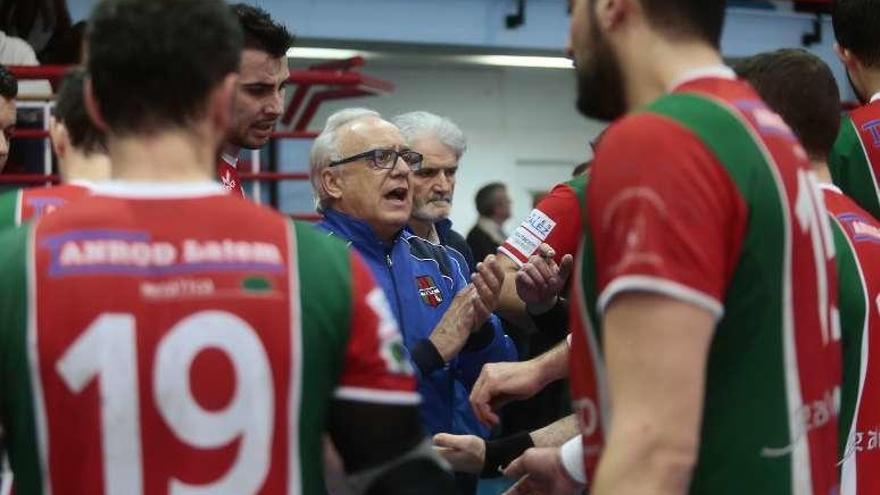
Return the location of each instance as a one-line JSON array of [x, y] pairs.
[[501, 452], [481, 338], [572, 453], [426, 356]]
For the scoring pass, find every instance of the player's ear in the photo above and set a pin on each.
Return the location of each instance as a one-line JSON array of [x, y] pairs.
[[846, 56], [610, 13], [60, 137], [92, 106]]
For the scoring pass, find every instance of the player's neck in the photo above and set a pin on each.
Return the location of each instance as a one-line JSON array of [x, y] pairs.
[[171, 156], [823, 173], [424, 229], [656, 65], [230, 149], [871, 80], [77, 166]]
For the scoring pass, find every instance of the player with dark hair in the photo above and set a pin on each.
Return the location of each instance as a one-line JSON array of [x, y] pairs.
[[707, 274], [224, 339], [802, 89], [259, 96], [8, 116], [855, 159], [82, 157]]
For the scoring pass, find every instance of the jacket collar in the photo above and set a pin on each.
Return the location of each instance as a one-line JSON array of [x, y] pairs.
[[357, 232]]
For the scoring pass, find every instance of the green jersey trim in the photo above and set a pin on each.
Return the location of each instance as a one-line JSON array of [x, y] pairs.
[[851, 169], [10, 209], [323, 292], [854, 322]]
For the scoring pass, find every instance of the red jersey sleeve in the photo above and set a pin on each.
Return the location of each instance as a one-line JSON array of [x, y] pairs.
[[376, 367], [555, 221], [664, 215]]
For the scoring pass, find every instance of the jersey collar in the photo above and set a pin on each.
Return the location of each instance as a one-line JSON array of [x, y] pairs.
[[709, 71], [158, 190], [827, 186], [876, 97], [231, 160], [82, 183]]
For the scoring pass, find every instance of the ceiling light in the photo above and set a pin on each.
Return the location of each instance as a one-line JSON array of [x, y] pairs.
[[520, 61], [324, 53], [304, 52]]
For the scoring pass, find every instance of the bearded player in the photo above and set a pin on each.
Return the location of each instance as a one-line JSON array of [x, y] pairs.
[[259, 96], [161, 336], [707, 275], [787, 80], [855, 159], [81, 150]]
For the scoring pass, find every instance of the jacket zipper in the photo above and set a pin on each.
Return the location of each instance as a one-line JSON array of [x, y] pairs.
[[390, 264]]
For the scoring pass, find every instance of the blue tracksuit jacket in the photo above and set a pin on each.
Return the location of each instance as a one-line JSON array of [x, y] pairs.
[[420, 280]]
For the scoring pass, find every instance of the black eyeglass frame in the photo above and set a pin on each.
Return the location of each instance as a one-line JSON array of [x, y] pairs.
[[372, 155]]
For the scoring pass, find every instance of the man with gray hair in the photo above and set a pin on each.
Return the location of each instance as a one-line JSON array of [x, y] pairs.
[[361, 174], [441, 144]]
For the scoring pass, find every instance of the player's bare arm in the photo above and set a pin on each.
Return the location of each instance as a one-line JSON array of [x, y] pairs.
[[470, 454], [510, 306], [500, 383], [656, 350]]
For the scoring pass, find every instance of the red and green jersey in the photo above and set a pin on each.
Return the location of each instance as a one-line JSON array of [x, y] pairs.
[[857, 239], [150, 344], [556, 221], [706, 196], [27, 204], [855, 158]]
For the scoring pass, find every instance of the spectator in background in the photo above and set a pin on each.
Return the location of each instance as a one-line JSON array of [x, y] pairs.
[[493, 205], [81, 149], [441, 144], [8, 93], [37, 22], [16, 51]]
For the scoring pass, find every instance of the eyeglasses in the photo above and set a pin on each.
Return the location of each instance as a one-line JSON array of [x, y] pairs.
[[385, 158]]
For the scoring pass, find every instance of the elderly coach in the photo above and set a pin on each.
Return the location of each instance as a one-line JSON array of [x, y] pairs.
[[360, 172]]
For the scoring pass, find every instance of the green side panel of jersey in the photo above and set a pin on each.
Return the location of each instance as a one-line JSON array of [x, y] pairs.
[[748, 341], [16, 392], [579, 186], [8, 205], [853, 312], [851, 170], [325, 286]]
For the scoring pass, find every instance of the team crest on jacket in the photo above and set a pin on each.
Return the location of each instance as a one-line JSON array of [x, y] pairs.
[[429, 291]]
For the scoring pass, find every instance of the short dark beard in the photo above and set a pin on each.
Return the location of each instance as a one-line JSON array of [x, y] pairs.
[[600, 82]]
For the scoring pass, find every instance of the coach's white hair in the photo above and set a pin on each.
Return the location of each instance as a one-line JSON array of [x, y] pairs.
[[415, 125], [325, 149]]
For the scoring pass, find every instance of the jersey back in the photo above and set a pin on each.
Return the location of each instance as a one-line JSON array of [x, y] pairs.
[[857, 238], [855, 158], [151, 347], [707, 197], [28, 204]]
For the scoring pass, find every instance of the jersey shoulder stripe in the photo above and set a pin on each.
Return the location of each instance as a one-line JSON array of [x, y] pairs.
[[718, 127]]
